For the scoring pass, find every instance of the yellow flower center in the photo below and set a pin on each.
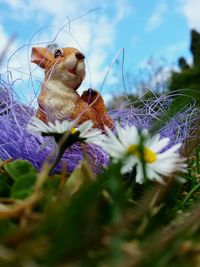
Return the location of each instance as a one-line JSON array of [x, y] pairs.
[[73, 130], [149, 155]]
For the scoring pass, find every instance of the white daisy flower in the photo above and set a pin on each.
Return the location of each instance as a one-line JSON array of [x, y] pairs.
[[126, 146], [37, 126], [84, 132], [91, 136]]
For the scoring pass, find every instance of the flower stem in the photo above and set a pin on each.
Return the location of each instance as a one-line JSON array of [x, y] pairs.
[[64, 141], [84, 151], [57, 159]]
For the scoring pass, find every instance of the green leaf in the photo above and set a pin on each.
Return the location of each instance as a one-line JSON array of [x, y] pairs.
[[81, 176], [68, 225], [5, 185], [52, 184], [6, 227], [24, 176]]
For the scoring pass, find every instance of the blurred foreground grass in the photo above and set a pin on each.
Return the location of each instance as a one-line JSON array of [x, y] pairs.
[[84, 219], [80, 219]]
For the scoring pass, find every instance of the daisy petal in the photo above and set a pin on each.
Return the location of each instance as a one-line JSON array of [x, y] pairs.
[[170, 151], [160, 145], [128, 165], [85, 127], [139, 176]]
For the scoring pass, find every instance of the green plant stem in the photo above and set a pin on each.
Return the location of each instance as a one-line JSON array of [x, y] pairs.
[[195, 188], [64, 141], [57, 159], [197, 161], [84, 151]]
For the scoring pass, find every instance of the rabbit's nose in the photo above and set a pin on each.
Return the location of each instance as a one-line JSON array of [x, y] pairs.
[[79, 55]]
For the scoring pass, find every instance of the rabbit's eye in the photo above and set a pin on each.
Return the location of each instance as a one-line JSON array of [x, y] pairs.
[[58, 53]]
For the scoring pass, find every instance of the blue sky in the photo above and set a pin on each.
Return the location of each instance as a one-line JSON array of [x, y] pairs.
[[144, 28]]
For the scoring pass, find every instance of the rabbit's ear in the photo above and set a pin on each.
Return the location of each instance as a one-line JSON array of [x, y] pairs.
[[41, 56]]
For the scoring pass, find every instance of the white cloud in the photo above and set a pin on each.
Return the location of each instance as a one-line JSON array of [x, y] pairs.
[[107, 98], [3, 37], [94, 33], [123, 8], [153, 74], [191, 10], [13, 3], [157, 17], [7, 48], [172, 51]]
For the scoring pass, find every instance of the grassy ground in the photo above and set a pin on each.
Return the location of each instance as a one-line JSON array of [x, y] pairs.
[[84, 219], [105, 220]]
